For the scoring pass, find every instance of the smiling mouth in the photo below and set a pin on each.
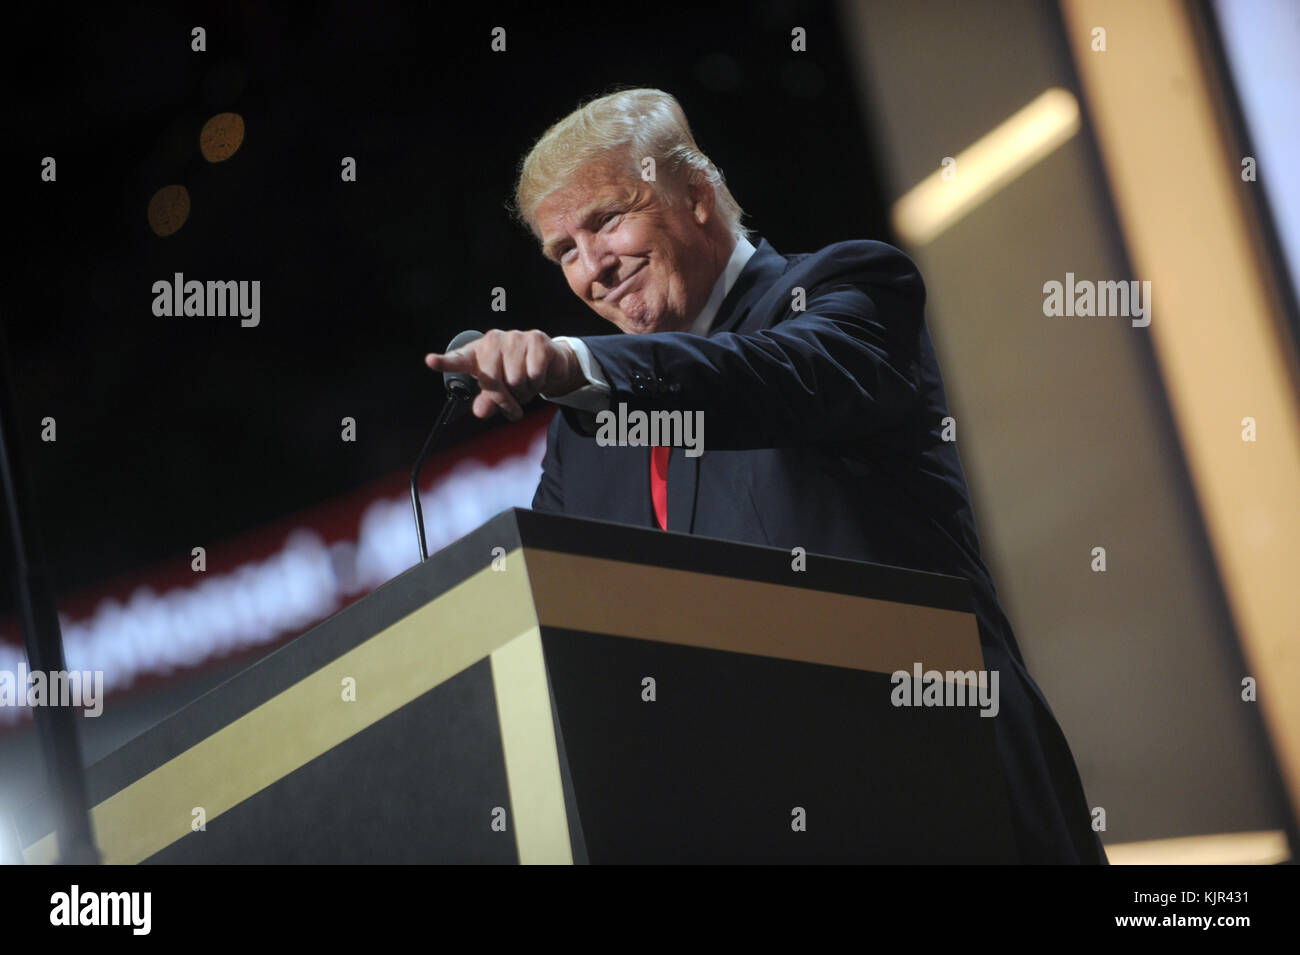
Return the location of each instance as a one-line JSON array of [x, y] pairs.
[[618, 291]]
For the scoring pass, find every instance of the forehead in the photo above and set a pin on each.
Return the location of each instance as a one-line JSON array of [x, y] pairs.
[[591, 185]]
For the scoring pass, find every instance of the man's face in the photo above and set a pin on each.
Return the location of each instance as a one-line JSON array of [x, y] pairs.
[[640, 261]]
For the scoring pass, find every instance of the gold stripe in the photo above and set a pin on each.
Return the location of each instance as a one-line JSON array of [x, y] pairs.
[[392, 668], [1227, 848], [540, 822], [744, 616], [1222, 344]]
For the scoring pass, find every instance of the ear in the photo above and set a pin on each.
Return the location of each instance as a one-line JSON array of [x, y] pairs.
[[703, 200]]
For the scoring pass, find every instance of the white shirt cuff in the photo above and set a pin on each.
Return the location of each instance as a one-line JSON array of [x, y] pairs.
[[593, 396]]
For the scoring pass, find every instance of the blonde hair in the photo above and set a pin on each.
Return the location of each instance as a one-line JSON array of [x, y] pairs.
[[636, 122]]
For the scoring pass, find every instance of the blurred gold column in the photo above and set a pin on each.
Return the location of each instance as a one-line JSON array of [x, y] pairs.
[[1217, 325]]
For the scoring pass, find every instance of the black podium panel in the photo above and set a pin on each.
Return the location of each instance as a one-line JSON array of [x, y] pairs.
[[417, 786], [713, 770]]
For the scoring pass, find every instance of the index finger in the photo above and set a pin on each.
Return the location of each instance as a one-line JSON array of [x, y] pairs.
[[462, 359]]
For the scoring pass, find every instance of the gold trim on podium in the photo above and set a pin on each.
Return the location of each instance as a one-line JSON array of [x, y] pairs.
[[746, 616], [540, 821]]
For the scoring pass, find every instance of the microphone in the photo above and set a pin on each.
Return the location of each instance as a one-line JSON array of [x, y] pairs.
[[461, 385], [461, 389]]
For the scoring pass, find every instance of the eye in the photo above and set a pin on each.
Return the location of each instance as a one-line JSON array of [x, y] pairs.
[[608, 217]]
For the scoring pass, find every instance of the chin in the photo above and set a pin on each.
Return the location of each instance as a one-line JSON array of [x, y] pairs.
[[639, 327], [642, 324]]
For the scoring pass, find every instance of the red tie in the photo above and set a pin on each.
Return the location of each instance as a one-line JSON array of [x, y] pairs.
[[659, 484]]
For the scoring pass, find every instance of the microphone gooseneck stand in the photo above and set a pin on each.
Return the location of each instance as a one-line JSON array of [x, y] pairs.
[[461, 389]]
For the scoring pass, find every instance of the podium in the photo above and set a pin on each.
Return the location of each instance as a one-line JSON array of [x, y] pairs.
[[555, 690]]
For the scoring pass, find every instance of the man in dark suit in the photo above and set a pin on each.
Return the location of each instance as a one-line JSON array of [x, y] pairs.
[[815, 377]]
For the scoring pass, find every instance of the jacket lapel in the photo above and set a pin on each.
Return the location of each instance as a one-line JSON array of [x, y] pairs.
[[762, 269]]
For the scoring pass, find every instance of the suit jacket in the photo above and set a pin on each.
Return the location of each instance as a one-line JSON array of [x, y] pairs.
[[822, 430]]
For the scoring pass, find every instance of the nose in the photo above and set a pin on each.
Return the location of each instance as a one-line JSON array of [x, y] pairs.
[[597, 262]]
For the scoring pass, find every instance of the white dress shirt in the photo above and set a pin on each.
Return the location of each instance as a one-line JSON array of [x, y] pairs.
[[594, 396]]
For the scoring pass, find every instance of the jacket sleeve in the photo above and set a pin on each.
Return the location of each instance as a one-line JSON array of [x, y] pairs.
[[548, 496], [841, 370]]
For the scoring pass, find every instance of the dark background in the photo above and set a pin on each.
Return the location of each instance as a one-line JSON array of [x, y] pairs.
[[178, 431], [185, 431]]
